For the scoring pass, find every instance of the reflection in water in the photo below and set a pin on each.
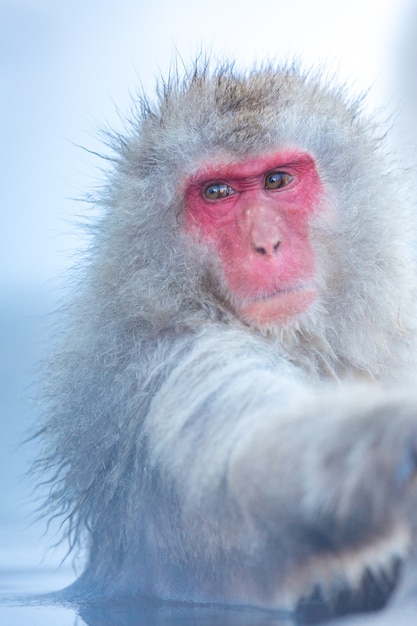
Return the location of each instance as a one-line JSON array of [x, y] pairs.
[[22, 611], [164, 614]]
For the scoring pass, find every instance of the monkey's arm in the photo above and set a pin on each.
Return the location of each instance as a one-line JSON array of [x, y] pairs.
[[308, 483]]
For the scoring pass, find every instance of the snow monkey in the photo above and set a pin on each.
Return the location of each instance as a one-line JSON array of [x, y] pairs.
[[229, 418]]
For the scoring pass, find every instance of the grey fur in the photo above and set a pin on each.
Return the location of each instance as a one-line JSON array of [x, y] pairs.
[[194, 457]]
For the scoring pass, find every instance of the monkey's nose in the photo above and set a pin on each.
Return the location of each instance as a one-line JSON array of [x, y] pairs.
[[271, 249], [265, 229]]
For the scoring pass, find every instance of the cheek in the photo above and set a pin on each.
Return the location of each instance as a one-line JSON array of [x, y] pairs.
[[203, 225]]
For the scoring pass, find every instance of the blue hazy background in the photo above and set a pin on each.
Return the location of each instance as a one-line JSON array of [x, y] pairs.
[[66, 68]]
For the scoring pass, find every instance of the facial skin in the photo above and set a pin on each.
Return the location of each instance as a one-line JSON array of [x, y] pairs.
[[256, 215]]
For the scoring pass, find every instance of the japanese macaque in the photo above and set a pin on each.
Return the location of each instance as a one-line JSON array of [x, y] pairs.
[[229, 414]]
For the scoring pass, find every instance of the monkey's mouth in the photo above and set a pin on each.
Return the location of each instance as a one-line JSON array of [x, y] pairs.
[[280, 293], [279, 307]]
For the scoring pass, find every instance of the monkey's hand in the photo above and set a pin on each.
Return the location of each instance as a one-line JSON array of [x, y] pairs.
[[334, 491]]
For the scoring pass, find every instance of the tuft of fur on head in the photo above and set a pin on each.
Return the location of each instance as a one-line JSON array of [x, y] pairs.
[[145, 280]]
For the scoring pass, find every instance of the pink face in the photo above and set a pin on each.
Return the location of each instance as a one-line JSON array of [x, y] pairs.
[[256, 215]]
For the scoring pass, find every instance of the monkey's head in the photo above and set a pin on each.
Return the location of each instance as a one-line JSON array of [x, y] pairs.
[[263, 198]]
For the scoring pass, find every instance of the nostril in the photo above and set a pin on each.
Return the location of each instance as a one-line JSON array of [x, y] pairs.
[[263, 251]]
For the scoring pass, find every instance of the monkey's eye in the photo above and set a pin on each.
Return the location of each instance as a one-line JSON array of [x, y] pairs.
[[277, 180], [217, 191]]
